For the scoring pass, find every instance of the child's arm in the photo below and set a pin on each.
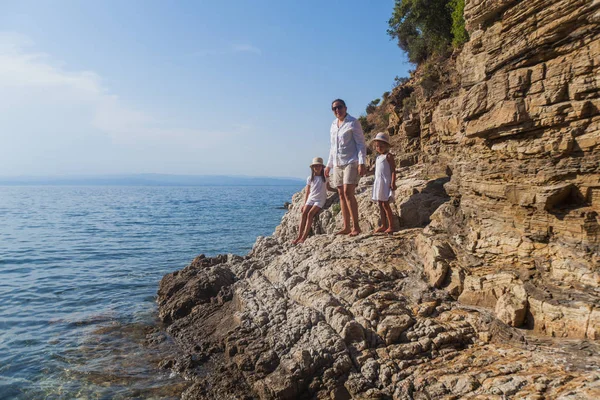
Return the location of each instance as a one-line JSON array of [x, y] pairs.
[[371, 171], [392, 162], [306, 197]]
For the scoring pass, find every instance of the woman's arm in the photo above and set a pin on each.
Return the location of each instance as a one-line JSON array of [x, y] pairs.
[[361, 146], [392, 162], [329, 165]]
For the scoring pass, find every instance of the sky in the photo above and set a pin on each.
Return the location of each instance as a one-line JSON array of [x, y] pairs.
[[229, 87]]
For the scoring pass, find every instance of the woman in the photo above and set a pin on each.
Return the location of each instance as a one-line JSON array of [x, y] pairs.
[[347, 156]]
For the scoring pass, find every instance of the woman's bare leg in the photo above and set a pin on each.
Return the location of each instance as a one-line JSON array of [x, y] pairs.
[[353, 206], [345, 212]]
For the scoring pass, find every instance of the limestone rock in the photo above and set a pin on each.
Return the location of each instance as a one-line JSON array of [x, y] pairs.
[[435, 257], [511, 307], [497, 207], [392, 326], [486, 290]]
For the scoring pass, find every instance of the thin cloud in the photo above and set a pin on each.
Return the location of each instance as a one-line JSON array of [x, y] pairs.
[[29, 73], [22, 68]]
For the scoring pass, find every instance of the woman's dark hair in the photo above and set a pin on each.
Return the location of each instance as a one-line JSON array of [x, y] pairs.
[[312, 173], [339, 101]]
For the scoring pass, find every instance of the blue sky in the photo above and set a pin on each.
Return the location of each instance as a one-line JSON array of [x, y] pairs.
[[189, 87]]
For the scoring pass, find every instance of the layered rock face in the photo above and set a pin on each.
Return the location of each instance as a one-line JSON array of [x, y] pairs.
[[491, 287], [522, 139]]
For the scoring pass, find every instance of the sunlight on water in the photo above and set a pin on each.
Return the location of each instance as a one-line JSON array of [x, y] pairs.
[[79, 271], [112, 361]]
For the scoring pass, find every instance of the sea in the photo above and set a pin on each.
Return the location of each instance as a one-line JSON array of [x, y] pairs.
[[79, 272]]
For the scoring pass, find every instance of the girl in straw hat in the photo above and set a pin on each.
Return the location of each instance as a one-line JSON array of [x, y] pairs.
[[316, 195], [385, 181]]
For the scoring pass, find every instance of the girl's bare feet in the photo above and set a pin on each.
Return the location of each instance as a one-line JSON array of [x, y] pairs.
[[296, 241], [380, 229], [344, 231], [355, 232], [389, 230]]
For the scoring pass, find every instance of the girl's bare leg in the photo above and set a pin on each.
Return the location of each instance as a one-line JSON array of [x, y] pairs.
[[301, 227], [389, 215], [383, 225], [311, 214]]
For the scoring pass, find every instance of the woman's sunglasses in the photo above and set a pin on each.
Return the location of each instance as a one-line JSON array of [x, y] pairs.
[[335, 108]]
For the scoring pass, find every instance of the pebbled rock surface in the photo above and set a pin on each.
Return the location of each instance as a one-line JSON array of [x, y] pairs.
[[491, 287]]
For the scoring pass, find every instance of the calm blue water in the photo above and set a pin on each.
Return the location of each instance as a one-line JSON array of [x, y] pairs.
[[79, 271]]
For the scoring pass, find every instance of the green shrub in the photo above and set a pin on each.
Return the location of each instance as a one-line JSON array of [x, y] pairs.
[[372, 106], [385, 95], [430, 78], [386, 119], [408, 104], [399, 81], [335, 209], [364, 123], [459, 33]]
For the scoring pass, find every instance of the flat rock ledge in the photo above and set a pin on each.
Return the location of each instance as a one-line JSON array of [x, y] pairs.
[[342, 318]]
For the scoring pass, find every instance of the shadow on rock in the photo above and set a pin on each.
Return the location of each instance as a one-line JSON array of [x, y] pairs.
[[416, 210]]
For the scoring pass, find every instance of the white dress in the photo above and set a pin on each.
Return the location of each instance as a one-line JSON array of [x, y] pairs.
[[382, 190], [318, 192]]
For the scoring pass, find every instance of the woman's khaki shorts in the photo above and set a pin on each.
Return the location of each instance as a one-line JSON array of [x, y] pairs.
[[345, 175]]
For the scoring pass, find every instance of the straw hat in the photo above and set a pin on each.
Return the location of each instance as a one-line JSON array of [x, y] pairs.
[[317, 161], [382, 137]]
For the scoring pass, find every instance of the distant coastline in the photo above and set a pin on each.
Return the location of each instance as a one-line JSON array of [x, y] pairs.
[[149, 180]]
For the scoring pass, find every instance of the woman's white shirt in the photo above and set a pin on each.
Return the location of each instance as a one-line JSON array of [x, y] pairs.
[[347, 143]]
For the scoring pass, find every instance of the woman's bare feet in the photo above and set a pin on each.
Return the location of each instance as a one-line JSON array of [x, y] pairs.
[[389, 230], [344, 231], [382, 228], [296, 241], [355, 232]]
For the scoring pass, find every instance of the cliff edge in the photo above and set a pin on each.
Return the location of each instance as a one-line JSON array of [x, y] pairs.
[[491, 287]]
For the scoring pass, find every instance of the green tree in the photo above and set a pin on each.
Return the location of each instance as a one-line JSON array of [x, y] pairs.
[[427, 27], [422, 27], [399, 81], [372, 106], [459, 33]]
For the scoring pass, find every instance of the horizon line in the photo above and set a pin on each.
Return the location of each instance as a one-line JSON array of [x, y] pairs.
[[129, 175]]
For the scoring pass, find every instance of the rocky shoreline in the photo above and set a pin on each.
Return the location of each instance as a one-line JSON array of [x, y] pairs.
[[491, 287], [342, 317]]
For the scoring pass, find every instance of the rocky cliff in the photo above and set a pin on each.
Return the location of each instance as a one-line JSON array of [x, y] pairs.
[[491, 287]]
